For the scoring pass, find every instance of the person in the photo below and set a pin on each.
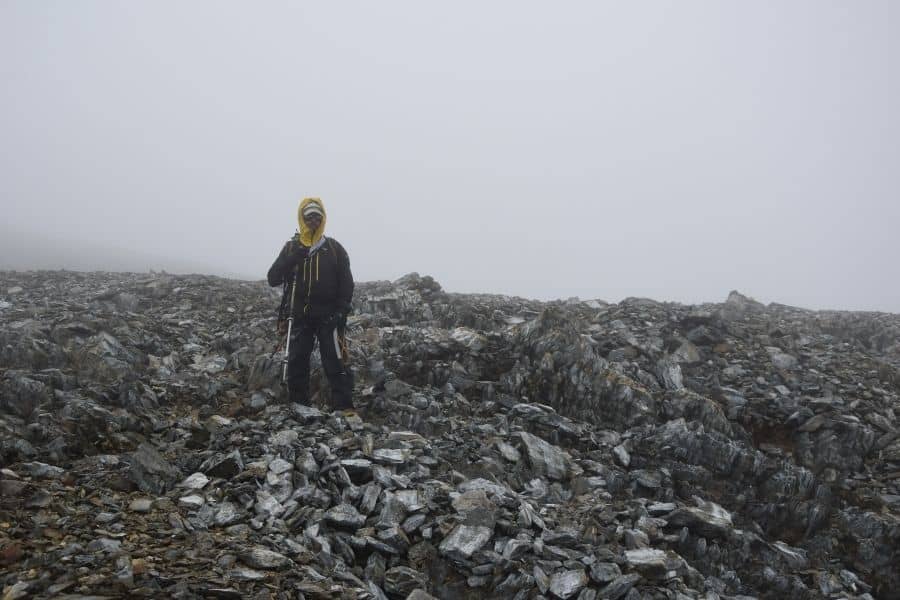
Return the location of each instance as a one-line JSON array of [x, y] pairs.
[[321, 269]]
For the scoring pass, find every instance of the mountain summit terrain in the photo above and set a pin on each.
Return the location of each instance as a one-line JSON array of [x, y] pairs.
[[501, 447]]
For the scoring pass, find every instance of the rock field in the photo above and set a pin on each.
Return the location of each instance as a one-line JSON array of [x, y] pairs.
[[503, 447]]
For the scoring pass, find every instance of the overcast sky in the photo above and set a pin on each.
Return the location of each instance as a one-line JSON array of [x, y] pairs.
[[675, 150]]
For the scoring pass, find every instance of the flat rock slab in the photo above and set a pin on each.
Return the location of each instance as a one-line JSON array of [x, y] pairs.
[[141, 505], [566, 584], [197, 481], [263, 558], [708, 519], [619, 587], [652, 562], [345, 516], [391, 456], [464, 541], [192, 501]]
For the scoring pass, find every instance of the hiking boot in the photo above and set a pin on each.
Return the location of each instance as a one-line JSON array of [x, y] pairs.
[[297, 397]]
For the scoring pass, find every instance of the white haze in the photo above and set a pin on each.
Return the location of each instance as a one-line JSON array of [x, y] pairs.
[[675, 150]]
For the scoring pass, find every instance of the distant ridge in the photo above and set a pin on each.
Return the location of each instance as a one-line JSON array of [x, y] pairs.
[[23, 251]]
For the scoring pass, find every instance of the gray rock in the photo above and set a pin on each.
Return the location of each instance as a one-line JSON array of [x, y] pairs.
[[242, 574], [546, 459], [707, 518], [124, 573], [197, 481], [566, 584], [279, 466], [17, 590], [345, 516], [508, 451], [651, 562], [390, 456], [464, 541], [402, 581], [605, 572], [263, 558], [40, 470], [668, 371], [307, 414], [781, 359], [476, 508], [191, 502], [106, 545], [267, 506], [225, 466], [140, 505], [620, 586], [226, 514], [151, 472], [285, 437]]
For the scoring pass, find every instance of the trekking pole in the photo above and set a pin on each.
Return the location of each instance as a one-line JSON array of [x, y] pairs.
[[287, 343]]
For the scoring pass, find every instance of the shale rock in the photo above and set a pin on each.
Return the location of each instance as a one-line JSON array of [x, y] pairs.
[[502, 447]]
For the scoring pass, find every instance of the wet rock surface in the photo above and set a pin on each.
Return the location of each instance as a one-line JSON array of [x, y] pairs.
[[503, 448]]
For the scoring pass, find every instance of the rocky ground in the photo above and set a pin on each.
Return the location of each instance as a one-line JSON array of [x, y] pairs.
[[504, 448]]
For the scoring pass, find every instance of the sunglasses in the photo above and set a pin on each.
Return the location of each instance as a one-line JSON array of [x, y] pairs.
[[312, 217]]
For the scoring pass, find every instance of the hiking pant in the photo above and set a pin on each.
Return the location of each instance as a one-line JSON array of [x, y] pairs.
[[339, 378]]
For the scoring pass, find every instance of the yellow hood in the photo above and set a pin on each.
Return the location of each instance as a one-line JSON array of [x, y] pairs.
[[308, 237]]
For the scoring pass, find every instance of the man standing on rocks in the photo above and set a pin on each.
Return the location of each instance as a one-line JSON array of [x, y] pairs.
[[321, 269]]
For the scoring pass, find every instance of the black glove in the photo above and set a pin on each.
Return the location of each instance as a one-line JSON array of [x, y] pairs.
[[294, 253], [338, 320]]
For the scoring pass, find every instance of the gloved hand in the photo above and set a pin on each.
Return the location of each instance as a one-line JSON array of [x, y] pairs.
[[294, 253], [338, 319]]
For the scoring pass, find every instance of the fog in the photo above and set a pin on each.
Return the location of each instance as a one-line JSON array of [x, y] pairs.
[[674, 150]]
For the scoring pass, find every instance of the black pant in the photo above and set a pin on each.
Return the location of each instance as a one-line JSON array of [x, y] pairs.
[[303, 337]]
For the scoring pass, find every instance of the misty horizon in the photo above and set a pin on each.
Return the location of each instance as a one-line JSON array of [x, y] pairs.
[[594, 150]]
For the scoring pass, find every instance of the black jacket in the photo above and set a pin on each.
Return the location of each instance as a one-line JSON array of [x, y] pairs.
[[324, 280]]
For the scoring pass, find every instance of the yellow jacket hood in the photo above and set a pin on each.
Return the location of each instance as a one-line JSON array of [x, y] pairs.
[[308, 237]]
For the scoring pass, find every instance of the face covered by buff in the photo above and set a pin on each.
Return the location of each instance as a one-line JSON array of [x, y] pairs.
[[309, 237]]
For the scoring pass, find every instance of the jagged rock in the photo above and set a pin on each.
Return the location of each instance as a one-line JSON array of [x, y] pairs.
[[781, 359], [464, 541], [402, 581], [226, 514], [345, 515], [476, 508], [546, 459], [707, 518], [568, 583], [151, 472], [390, 456], [669, 373], [651, 562], [225, 466], [522, 448], [242, 574], [620, 586], [605, 572], [21, 395]]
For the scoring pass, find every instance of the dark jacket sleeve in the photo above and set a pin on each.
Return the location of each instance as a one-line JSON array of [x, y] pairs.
[[345, 280], [280, 268]]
